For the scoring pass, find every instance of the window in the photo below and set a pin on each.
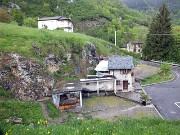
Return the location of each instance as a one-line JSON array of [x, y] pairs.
[[125, 71], [117, 82], [87, 83]]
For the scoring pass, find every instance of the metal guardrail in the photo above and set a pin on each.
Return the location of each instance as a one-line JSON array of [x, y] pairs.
[[160, 62]]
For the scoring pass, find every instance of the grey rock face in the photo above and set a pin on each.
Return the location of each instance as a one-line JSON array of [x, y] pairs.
[[24, 77]]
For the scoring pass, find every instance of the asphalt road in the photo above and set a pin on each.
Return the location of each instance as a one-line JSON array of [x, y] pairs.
[[166, 96]]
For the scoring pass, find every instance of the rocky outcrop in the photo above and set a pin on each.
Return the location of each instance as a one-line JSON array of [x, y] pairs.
[[24, 77], [27, 79]]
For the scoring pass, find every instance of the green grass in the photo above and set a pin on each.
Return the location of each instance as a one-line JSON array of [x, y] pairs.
[[4, 94], [31, 112], [157, 78], [103, 127], [21, 39], [53, 112], [109, 101]]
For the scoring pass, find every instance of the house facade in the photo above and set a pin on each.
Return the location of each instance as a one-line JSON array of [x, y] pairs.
[[114, 74], [133, 47], [53, 23], [122, 68]]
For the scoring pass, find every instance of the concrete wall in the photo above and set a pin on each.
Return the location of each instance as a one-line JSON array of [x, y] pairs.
[[107, 85]]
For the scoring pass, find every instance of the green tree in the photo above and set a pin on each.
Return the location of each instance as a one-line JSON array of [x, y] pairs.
[[30, 22], [18, 17], [159, 39]]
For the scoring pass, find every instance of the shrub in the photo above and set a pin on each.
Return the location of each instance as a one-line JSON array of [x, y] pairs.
[[165, 68], [4, 17], [30, 22]]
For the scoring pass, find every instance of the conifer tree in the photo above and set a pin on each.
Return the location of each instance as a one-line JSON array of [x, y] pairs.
[[159, 39]]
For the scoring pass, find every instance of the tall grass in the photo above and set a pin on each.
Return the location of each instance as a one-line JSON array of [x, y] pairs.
[[102, 127]]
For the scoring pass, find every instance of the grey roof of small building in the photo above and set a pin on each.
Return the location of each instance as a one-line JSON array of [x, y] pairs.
[[54, 18], [120, 62], [69, 87]]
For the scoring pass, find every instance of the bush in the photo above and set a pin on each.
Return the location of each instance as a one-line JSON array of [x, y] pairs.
[[30, 22], [52, 110], [165, 68], [4, 17]]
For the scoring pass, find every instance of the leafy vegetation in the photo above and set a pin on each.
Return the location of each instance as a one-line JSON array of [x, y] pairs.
[[165, 68], [150, 7], [52, 110], [4, 94], [4, 17], [157, 78]]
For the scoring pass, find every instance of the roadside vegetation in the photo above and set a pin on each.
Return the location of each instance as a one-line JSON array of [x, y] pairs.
[[162, 76]]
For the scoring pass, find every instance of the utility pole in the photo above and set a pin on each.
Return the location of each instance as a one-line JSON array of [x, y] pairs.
[[115, 38]]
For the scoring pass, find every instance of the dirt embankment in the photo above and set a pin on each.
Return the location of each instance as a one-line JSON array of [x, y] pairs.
[[142, 71]]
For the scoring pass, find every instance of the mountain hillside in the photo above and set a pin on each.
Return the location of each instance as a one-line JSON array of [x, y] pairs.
[[154, 5], [92, 17]]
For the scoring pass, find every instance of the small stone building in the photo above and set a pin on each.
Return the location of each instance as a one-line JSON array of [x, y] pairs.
[[68, 97]]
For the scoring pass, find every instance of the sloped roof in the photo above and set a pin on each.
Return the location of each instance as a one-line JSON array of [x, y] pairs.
[[102, 66], [54, 18], [120, 62], [69, 87]]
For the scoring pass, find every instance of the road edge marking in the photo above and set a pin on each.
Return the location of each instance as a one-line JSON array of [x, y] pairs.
[[177, 104], [177, 75], [158, 112]]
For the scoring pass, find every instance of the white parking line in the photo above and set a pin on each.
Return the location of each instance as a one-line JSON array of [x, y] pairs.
[[176, 103], [177, 75]]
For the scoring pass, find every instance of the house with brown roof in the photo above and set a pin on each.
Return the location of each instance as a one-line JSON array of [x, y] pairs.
[[57, 22]]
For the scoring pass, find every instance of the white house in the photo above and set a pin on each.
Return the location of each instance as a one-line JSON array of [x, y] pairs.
[[114, 74], [133, 47], [53, 23], [121, 67]]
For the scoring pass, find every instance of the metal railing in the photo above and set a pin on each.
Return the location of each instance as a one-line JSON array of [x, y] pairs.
[[161, 62]]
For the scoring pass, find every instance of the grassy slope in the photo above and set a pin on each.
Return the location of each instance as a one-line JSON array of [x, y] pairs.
[[31, 113], [21, 39], [102, 127]]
